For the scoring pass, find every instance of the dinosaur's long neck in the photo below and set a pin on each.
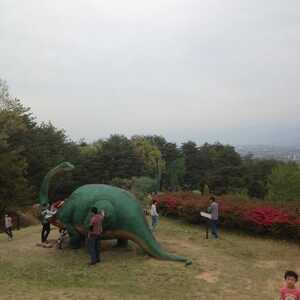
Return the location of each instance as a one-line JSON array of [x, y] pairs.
[[43, 196]]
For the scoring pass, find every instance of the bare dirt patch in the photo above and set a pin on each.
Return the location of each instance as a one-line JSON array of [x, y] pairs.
[[267, 264], [210, 277]]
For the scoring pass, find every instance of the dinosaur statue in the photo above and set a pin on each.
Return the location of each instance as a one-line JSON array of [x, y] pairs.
[[124, 217]]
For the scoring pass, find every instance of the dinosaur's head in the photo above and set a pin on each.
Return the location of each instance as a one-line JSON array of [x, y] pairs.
[[65, 167]]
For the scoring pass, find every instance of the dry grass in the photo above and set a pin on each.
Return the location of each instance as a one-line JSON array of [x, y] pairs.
[[235, 267]]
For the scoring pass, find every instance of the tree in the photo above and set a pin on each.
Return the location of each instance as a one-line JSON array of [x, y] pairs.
[[150, 155], [41, 147], [123, 183], [284, 183], [158, 141], [5, 98], [190, 154], [14, 188], [175, 173], [142, 186], [169, 154], [221, 168], [255, 175], [45, 147], [118, 157], [90, 149], [169, 151], [206, 190]]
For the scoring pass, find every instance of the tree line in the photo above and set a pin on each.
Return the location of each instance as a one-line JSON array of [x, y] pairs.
[[28, 150]]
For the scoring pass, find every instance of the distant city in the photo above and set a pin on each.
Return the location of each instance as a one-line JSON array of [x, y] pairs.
[[283, 153]]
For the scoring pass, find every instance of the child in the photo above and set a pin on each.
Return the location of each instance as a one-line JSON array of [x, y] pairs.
[[290, 292], [62, 236]]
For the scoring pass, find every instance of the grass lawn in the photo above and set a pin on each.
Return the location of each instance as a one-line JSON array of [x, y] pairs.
[[235, 267]]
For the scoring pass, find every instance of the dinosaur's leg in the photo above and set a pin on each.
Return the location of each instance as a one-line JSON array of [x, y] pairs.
[[75, 237], [122, 243]]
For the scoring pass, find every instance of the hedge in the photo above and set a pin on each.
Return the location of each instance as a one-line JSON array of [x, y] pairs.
[[260, 217]]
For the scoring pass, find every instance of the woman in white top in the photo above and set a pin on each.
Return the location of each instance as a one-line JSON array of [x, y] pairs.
[[154, 215], [8, 226]]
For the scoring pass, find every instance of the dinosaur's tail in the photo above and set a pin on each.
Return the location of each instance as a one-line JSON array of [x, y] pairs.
[[143, 236]]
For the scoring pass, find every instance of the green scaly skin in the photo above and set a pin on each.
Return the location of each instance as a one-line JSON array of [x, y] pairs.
[[124, 217]]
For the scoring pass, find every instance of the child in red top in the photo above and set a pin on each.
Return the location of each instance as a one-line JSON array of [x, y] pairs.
[[290, 292]]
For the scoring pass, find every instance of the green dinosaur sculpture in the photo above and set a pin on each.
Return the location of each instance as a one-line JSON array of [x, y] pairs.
[[124, 217]]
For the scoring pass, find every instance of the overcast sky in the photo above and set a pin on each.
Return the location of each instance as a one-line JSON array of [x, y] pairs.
[[214, 70]]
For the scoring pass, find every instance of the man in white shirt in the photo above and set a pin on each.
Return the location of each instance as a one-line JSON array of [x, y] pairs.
[[8, 226], [154, 215]]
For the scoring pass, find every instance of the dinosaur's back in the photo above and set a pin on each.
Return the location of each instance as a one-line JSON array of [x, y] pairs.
[[82, 200]]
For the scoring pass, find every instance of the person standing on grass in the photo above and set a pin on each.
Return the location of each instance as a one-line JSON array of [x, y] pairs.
[[213, 209], [8, 226], [290, 292], [46, 215], [94, 235], [62, 236], [154, 215], [45, 229]]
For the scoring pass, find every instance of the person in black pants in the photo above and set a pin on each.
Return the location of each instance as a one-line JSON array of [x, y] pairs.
[[46, 215], [214, 211], [94, 235], [45, 231], [62, 236]]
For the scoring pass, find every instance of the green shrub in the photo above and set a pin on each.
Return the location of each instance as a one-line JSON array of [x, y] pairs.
[[123, 183], [142, 186]]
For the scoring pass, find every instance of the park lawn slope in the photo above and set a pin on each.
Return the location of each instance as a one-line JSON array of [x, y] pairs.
[[234, 267]]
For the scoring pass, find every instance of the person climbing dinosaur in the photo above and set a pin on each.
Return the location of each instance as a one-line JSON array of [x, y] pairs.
[[94, 234], [46, 214]]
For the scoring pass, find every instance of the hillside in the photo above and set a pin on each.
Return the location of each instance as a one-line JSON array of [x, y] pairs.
[[235, 267]]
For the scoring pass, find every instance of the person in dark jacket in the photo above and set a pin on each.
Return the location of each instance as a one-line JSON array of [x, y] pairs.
[[94, 234], [213, 209]]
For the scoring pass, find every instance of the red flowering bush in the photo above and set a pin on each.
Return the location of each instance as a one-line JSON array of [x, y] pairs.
[[250, 215], [266, 216]]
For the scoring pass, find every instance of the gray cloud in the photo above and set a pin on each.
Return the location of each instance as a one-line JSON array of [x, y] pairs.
[[200, 70]]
